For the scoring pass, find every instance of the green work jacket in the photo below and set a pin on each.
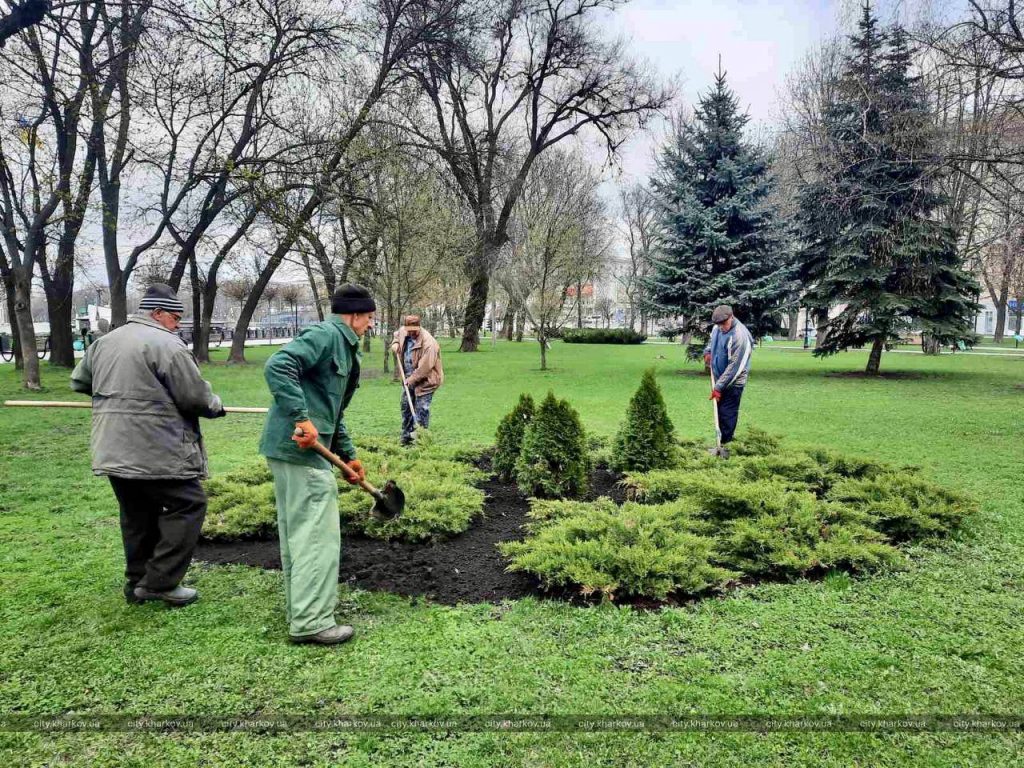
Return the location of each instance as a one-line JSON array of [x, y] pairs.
[[312, 377]]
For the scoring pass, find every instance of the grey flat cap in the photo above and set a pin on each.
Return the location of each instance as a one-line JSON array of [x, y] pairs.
[[722, 313]]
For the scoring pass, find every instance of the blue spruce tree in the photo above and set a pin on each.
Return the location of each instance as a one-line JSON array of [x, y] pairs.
[[718, 241]]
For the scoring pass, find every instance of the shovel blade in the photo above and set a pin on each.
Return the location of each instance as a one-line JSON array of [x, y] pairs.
[[390, 503]]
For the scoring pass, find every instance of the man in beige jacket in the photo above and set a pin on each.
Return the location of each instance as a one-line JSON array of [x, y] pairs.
[[421, 366]]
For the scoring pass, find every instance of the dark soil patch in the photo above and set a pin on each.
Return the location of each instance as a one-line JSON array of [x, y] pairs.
[[464, 569]]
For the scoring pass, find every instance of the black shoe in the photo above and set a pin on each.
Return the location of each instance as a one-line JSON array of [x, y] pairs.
[[330, 636], [129, 594], [176, 597]]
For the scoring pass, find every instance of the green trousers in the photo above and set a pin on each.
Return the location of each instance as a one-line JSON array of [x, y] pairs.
[[310, 532]]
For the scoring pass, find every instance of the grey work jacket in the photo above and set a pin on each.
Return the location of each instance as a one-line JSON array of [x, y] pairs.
[[147, 397]]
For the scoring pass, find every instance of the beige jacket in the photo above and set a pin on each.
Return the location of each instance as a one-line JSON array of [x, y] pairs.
[[427, 374]]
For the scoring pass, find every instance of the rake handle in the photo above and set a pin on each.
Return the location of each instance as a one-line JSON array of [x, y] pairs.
[[408, 396]]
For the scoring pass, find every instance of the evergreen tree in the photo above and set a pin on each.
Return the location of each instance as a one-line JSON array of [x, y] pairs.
[[870, 240], [509, 437], [645, 439], [718, 241], [554, 462]]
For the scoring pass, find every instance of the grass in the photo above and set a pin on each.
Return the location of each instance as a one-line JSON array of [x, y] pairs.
[[942, 637]]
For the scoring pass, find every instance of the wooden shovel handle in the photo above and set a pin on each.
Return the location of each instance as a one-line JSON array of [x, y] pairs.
[[340, 464]]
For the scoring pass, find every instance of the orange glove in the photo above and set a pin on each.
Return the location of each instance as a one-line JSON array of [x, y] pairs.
[[707, 358], [715, 395], [356, 466], [305, 434]]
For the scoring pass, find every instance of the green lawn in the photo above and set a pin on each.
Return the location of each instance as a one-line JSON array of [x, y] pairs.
[[944, 636]]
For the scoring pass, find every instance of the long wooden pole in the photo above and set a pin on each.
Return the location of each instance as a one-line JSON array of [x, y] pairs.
[[78, 404]]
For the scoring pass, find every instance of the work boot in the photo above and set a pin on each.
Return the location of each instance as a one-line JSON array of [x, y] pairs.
[[177, 596], [129, 594], [331, 636], [724, 453]]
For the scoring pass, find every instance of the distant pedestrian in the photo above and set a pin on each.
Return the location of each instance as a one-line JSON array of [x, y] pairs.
[[421, 368], [728, 353], [147, 397]]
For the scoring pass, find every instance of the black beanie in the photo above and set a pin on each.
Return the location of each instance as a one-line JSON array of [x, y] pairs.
[[351, 299], [161, 296]]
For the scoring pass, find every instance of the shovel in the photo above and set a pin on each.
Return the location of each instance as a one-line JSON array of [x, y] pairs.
[[388, 503], [717, 451], [408, 396]]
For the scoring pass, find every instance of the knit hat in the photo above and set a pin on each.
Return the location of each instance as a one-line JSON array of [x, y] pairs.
[[161, 296], [412, 321], [722, 313], [351, 299]]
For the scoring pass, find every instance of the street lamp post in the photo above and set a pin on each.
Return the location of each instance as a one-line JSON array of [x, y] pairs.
[[807, 328]]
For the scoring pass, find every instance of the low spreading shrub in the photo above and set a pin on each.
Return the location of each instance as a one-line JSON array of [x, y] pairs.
[[645, 440], [905, 508], [553, 462], [241, 505], [441, 499], [602, 336], [767, 513], [636, 549], [509, 437]]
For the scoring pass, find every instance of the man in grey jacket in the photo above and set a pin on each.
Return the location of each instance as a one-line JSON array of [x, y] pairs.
[[728, 353], [147, 397]]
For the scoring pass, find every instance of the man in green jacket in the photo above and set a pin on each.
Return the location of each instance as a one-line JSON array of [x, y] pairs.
[[312, 380]]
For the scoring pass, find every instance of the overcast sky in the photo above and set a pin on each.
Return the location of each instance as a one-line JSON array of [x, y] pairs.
[[760, 42]]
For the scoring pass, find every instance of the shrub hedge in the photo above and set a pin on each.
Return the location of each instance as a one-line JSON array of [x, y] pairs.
[[602, 336]]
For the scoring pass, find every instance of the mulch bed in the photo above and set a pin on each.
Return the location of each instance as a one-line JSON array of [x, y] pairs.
[[463, 569]]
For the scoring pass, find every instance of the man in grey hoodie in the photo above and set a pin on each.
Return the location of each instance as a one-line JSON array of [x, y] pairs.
[[728, 353], [147, 397]]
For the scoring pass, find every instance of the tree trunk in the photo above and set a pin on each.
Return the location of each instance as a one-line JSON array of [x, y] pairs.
[[821, 326], [930, 345], [579, 304], [875, 358], [794, 324], [476, 308], [199, 339], [26, 327], [997, 337], [313, 287], [8, 280], [59, 287], [520, 324], [543, 350], [62, 335], [450, 321], [508, 322], [1020, 315], [201, 331]]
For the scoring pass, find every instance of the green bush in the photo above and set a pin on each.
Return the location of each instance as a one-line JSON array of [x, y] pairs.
[[440, 497], [799, 536], [636, 550], [509, 437], [905, 508], [553, 462], [645, 440], [767, 513], [602, 336], [241, 504]]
